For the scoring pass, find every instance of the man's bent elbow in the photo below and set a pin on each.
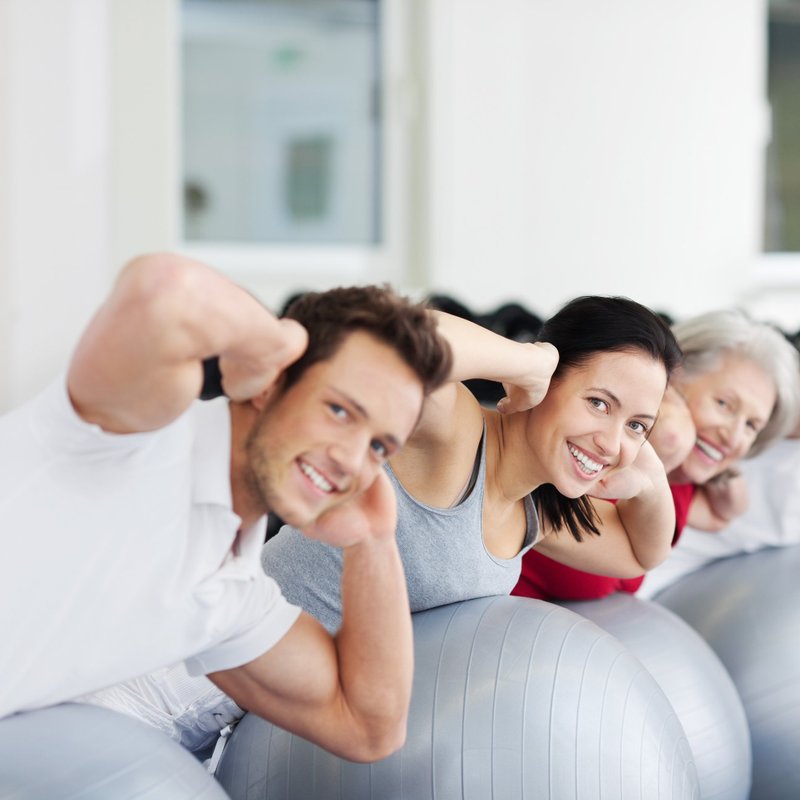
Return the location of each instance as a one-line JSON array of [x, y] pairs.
[[377, 744], [152, 279]]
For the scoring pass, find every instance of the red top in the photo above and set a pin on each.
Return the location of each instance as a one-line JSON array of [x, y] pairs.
[[546, 579]]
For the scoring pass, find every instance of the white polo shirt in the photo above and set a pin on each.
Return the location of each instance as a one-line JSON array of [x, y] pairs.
[[120, 554]]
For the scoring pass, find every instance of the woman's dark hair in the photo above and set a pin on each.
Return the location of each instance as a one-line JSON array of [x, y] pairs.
[[405, 326], [583, 328]]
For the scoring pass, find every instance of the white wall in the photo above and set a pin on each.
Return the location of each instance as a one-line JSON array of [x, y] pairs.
[[88, 108], [6, 285], [584, 147], [143, 161], [54, 186]]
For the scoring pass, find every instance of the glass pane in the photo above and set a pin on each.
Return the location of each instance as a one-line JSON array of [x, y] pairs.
[[782, 208], [281, 121]]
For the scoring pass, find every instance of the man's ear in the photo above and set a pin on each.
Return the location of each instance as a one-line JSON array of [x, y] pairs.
[[261, 400]]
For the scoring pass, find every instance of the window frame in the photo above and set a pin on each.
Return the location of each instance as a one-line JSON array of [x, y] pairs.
[[384, 261]]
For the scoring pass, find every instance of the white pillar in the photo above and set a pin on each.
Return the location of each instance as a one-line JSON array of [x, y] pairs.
[[55, 184]]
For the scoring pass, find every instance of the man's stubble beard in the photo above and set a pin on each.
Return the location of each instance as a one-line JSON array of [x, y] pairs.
[[257, 467], [262, 480]]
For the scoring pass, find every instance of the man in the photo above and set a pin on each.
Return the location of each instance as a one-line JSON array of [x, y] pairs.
[[133, 515]]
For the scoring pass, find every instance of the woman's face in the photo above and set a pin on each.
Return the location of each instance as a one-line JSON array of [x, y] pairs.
[[729, 406], [596, 417]]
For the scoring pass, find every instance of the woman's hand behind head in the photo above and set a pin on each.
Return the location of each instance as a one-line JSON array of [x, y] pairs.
[[529, 390], [645, 473]]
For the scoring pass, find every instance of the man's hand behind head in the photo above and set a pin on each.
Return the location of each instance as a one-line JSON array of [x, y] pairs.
[[368, 516], [246, 377]]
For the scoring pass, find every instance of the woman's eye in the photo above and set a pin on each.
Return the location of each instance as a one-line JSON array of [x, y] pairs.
[[338, 411], [638, 427], [599, 404]]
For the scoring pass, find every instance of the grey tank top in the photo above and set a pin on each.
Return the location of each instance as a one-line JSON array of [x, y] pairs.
[[442, 550]]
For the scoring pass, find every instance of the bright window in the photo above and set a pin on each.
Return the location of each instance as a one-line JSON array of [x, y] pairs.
[[281, 122], [782, 207]]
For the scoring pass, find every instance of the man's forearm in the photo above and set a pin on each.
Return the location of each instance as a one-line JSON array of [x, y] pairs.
[[138, 364], [209, 315], [375, 642]]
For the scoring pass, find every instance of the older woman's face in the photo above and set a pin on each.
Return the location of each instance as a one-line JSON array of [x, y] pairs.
[[729, 406]]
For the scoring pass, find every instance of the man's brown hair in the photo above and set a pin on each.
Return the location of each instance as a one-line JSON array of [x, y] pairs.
[[408, 328]]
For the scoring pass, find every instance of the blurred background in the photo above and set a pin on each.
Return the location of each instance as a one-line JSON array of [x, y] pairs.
[[513, 151]]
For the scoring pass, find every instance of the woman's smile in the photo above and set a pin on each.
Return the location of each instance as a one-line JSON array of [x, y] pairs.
[[586, 464]]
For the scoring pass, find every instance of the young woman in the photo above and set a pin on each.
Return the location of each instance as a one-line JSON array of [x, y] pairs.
[[737, 393], [478, 487]]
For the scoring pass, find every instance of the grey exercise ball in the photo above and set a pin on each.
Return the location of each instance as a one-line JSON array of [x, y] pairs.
[[748, 609], [82, 751], [512, 698], [695, 682]]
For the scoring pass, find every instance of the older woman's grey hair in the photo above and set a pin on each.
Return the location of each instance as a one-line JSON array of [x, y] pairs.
[[706, 338]]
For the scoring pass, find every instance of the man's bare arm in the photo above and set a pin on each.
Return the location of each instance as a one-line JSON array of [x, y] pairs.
[[138, 365], [349, 694]]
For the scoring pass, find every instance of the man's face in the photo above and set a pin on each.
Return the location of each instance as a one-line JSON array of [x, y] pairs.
[[327, 437]]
